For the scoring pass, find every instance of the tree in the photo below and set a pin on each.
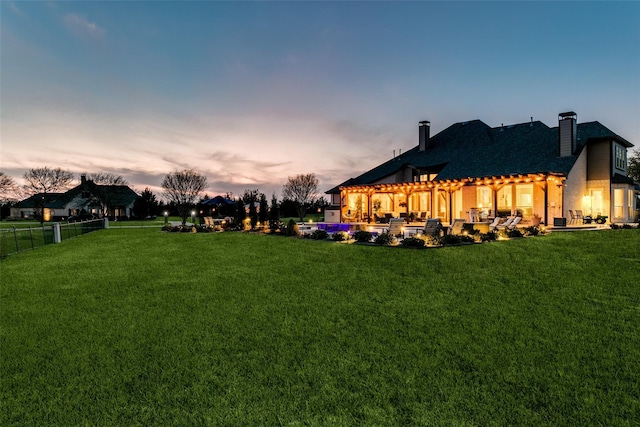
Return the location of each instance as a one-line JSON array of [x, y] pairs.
[[183, 188], [263, 215], [8, 193], [103, 191], [45, 181], [241, 213], [104, 178], [8, 188], [274, 214], [146, 205], [302, 190], [633, 168], [250, 198]]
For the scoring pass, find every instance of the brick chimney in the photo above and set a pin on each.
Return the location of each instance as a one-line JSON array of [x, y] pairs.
[[423, 130], [568, 131]]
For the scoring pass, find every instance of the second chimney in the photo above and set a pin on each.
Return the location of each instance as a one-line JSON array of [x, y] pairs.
[[567, 128], [424, 128]]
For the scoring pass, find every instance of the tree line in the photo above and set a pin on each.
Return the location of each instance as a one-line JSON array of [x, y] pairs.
[[183, 192]]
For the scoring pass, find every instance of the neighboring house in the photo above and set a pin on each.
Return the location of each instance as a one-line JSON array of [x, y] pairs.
[[522, 169], [88, 198]]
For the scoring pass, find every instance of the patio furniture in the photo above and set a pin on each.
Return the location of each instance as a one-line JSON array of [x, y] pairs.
[[600, 219], [507, 223], [473, 215], [573, 217], [495, 223], [514, 223], [433, 227], [396, 227], [457, 226], [579, 216]]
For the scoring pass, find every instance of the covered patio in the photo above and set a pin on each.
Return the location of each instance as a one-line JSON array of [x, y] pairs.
[[475, 199]]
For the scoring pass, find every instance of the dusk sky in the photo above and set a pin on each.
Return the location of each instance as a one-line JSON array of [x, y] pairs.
[[249, 93]]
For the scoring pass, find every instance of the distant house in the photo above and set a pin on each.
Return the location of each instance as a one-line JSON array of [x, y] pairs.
[[85, 200], [525, 169]]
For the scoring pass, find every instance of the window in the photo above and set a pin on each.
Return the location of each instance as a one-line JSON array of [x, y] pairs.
[[621, 158], [524, 199], [423, 177], [618, 202]]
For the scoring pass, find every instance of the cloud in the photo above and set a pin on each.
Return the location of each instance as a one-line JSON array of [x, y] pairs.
[[82, 28]]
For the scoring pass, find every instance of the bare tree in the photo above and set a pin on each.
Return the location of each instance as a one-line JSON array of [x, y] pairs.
[[183, 188], [302, 190], [8, 193], [104, 178], [8, 188], [44, 181]]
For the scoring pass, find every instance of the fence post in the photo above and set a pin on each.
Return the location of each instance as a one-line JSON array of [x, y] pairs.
[[15, 237], [57, 237]]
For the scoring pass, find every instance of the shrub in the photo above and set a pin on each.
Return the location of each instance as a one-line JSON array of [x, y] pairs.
[[413, 242], [292, 228], [385, 239], [531, 231], [515, 233], [433, 240], [490, 236], [451, 239], [341, 236], [362, 236], [319, 235]]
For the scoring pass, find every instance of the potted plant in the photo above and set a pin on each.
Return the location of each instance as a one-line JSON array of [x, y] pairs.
[[535, 220]]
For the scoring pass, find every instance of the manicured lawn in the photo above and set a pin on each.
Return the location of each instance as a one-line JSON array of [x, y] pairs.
[[140, 327]]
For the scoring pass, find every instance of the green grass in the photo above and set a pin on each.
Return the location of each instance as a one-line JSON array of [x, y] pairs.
[[140, 327]]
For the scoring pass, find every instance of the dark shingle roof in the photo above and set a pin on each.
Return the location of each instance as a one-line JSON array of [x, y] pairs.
[[473, 149], [119, 195]]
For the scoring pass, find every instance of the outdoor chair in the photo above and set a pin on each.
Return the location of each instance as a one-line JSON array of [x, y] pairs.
[[495, 223], [579, 217], [507, 223], [432, 227], [514, 223], [573, 217], [396, 227], [457, 226]]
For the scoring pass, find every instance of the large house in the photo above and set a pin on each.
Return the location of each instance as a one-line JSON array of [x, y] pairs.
[[527, 169], [84, 200]]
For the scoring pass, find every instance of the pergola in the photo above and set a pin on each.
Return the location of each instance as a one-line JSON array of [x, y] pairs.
[[450, 186]]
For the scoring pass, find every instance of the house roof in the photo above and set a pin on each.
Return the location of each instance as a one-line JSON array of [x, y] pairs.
[[119, 195], [474, 149], [34, 200]]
